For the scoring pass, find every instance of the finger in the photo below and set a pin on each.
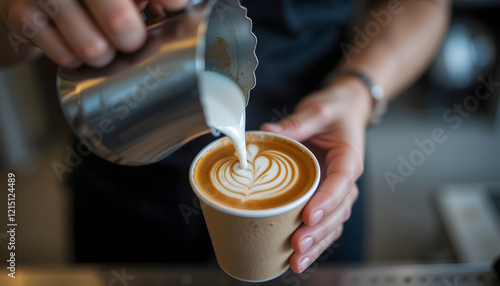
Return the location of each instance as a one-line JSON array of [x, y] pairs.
[[172, 5], [141, 4], [306, 236], [83, 35], [33, 25], [156, 10], [50, 41], [343, 169], [300, 125], [300, 261], [120, 21]]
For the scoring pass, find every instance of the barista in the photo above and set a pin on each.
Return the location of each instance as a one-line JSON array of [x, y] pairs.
[[135, 211]]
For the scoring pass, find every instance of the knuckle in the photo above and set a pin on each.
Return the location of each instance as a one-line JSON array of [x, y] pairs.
[[340, 230], [321, 110], [125, 29], [331, 200], [93, 49], [119, 20], [327, 242], [290, 123], [355, 194], [360, 169], [318, 249], [324, 231], [347, 214], [350, 157], [348, 176]]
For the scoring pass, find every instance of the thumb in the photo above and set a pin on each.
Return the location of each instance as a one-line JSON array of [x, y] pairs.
[[300, 126]]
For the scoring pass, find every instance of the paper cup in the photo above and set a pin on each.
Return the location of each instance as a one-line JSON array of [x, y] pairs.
[[253, 245]]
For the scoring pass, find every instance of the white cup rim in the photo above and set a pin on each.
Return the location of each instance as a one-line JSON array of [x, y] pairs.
[[256, 213]]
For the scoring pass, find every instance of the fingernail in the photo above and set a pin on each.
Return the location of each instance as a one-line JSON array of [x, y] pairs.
[[304, 263], [316, 217], [306, 243]]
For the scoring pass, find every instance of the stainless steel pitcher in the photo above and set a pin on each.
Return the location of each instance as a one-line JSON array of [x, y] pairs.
[[145, 105]]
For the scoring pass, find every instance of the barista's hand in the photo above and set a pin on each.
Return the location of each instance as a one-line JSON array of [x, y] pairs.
[[332, 124], [72, 32]]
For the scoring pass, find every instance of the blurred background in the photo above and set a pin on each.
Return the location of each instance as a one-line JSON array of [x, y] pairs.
[[446, 211]]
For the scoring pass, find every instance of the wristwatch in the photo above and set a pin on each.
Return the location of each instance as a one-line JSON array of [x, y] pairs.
[[376, 91]]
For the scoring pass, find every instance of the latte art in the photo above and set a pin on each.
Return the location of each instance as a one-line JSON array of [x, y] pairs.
[[278, 172], [270, 174]]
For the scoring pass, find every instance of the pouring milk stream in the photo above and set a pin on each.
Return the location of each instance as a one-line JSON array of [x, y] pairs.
[[224, 107]]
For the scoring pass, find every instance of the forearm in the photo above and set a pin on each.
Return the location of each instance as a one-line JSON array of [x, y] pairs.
[[12, 51], [400, 52]]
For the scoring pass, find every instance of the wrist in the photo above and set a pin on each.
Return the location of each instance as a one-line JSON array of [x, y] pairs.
[[358, 97]]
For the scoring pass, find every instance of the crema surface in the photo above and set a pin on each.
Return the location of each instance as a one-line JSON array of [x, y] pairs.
[[278, 173]]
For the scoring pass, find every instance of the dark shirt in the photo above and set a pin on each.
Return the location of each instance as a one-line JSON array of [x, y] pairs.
[[297, 46], [150, 213]]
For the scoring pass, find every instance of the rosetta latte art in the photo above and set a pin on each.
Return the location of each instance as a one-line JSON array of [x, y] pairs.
[[270, 173]]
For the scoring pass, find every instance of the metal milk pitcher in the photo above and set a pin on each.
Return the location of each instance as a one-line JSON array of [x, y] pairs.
[[145, 105]]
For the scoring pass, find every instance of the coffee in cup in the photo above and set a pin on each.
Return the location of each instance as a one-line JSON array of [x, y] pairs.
[[252, 213]]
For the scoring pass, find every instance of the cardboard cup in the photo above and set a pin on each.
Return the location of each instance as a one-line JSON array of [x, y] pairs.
[[253, 245]]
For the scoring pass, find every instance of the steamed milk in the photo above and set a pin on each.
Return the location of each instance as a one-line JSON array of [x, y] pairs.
[[224, 107], [263, 174]]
